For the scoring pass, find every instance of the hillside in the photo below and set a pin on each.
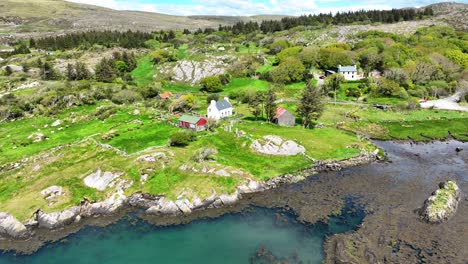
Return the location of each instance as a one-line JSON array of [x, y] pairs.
[[39, 16], [55, 15]]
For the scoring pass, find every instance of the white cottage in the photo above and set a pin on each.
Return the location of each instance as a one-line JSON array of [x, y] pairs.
[[220, 109], [350, 73]]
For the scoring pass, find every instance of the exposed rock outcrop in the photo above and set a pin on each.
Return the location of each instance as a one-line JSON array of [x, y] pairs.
[[193, 71], [101, 180], [274, 145], [57, 219], [10, 226], [52, 192], [442, 204]]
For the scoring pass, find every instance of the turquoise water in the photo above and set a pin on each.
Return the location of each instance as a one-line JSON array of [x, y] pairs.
[[256, 236]]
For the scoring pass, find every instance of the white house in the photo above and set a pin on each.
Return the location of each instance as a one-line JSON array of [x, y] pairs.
[[220, 109], [350, 73]]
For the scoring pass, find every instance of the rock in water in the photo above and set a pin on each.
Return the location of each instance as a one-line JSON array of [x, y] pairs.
[[442, 204]]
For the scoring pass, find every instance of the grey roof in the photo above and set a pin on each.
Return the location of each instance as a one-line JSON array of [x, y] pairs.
[[352, 68], [221, 105], [190, 119]]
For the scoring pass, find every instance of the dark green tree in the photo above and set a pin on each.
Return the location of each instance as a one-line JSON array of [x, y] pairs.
[[311, 106], [270, 104]]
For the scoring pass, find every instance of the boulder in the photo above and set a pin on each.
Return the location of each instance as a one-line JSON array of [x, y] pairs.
[[143, 200], [101, 181], [229, 199], [442, 204], [10, 226], [37, 137], [52, 192], [56, 123], [57, 219], [165, 207], [185, 206], [274, 145]]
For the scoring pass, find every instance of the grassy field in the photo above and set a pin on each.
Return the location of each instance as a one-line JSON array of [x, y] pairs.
[[136, 132], [245, 84], [145, 71]]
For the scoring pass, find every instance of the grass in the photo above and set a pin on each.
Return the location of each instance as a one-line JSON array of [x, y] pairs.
[[144, 72], [419, 125], [181, 88], [77, 124], [442, 197], [325, 144], [244, 84]]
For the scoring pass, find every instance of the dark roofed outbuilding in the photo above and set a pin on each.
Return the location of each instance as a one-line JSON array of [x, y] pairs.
[[284, 118]]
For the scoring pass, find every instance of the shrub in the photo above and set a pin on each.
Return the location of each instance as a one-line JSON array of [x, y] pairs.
[[211, 84], [126, 96], [182, 138]]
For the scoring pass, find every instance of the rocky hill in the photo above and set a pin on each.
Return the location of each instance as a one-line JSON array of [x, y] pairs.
[[17, 16], [39, 17]]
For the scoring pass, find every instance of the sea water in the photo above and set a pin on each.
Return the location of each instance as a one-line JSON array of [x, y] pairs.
[[257, 235]]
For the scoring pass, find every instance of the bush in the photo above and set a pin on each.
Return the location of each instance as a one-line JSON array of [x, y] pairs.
[[212, 97], [126, 97], [211, 84], [182, 138]]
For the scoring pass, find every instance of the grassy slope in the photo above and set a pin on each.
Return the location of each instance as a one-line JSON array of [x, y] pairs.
[[145, 71]]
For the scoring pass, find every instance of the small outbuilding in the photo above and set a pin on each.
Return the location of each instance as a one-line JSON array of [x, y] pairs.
[[195, 123], [283, 117], [165, 96]]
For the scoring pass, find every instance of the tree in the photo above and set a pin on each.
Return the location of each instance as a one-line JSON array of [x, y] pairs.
[[82, 72], [333, 82], [162, 56], [105, 71], [71, 74], [270, 104], [277, 46], [288, 52], [185, 103], [311, 106], [256, 105], [330, 58], [211, 84], [48, 72], [290, 70]]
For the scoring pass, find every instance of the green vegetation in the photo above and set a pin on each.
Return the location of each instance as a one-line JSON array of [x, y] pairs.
[[114, 117], [145, 71]]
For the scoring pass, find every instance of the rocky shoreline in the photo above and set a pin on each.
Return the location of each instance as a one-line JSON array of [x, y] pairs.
[[14, 231]]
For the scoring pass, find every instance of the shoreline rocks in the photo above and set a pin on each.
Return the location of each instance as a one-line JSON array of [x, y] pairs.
[[10, 227], [442, 204]]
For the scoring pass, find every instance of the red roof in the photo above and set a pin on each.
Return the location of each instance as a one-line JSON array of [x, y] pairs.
[[165, 95], [280, 111]]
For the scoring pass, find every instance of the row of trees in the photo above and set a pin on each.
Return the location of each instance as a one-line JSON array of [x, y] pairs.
[[86, 40], [362, 16]]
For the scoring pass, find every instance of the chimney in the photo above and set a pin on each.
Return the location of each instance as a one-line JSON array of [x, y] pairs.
[[226, 98], [213, 102]]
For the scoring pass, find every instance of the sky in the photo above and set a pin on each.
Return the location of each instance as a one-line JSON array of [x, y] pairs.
[[252, 7]]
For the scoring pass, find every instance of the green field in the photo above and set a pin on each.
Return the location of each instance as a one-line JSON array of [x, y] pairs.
[[245, 84], [144, 72]]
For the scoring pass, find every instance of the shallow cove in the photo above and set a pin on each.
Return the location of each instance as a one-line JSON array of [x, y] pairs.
[[257, 235]]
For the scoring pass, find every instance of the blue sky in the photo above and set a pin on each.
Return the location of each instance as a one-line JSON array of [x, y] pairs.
[[252, 7]]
